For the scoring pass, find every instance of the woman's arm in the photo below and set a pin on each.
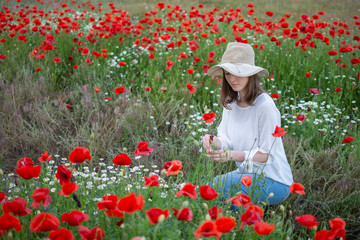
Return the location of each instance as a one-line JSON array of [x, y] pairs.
[[224, 155]]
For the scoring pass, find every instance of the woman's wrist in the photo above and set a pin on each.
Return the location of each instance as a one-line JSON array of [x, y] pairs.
[[237, 156]]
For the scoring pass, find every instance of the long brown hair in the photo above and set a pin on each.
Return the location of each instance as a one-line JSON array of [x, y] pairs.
[[228, 95]]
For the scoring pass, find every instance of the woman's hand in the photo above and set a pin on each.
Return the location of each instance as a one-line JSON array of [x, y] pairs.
[[225, 155], [211, 142], [222, 155]]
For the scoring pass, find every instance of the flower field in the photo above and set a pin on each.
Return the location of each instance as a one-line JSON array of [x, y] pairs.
[[102, 113]]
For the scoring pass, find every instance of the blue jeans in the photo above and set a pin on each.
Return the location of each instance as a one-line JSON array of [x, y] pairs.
[[261, 187]]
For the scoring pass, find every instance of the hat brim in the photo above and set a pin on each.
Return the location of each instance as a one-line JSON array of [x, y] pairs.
[[238, 69]]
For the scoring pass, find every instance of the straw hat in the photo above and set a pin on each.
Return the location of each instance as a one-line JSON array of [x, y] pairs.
[[238, 59]]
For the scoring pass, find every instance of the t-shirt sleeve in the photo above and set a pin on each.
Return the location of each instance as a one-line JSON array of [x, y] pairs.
[[269, 118], [222, 131]]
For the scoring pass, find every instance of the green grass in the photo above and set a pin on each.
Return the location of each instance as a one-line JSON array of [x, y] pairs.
[[52, 110]]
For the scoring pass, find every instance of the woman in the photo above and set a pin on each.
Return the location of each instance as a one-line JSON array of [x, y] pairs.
[[249, 118]]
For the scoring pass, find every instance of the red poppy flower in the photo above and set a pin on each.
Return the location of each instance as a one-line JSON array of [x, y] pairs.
[[240, 200], [110, 203], [188, 190], [334, 233], [163, 89], [74, 218], [95, 233], [147, 89], [307, 220], [152, 181], [214, 212], [119, 90], [297, 188], [263, 228], [279, 132], [38, 70], [154, 214], [63, 174], [79, 155], [173, 168], [225, 224], [269, 13], [131, 203], [151, 56], [41, 195], [337, 223], [3, 197], [45, 157], [355, 61], [68, 188], [97, 90], [347, 139], [314, 90], [25, 161], [169, 63], [300, 118], [8, 222], [22, 38], [275, 95], [252, 215], [75, 66], [246, 180], [190, 71], [183, 214], [207, 192], [209, 117], [338, 89], [322, 235], [191, 88], [122, 63], [17, 207], [57, 60], [122, 159], [44, 222], [143, 149], [207, 229], [61, 234], [332, 52], [28, 172], [308, 74]]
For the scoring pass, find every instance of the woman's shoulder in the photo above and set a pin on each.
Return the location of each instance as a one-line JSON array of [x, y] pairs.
[[263, 98], [265, 103]]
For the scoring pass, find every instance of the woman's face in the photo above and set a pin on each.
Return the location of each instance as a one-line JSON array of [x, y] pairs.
[[238, 84]]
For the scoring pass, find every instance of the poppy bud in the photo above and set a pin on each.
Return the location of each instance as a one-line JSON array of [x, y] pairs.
[[185, 204], [163, 172], [72, 178], [161, 218], [75, 197], [282, 208], [1, 172], [290, 212], [10, 235], [205, 206], [196, 143], [271, 194], [207, 217], [124, 149], [92, 136], [272, 213]]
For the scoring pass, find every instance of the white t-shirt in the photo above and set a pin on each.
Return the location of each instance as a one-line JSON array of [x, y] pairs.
[[250, 129]]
